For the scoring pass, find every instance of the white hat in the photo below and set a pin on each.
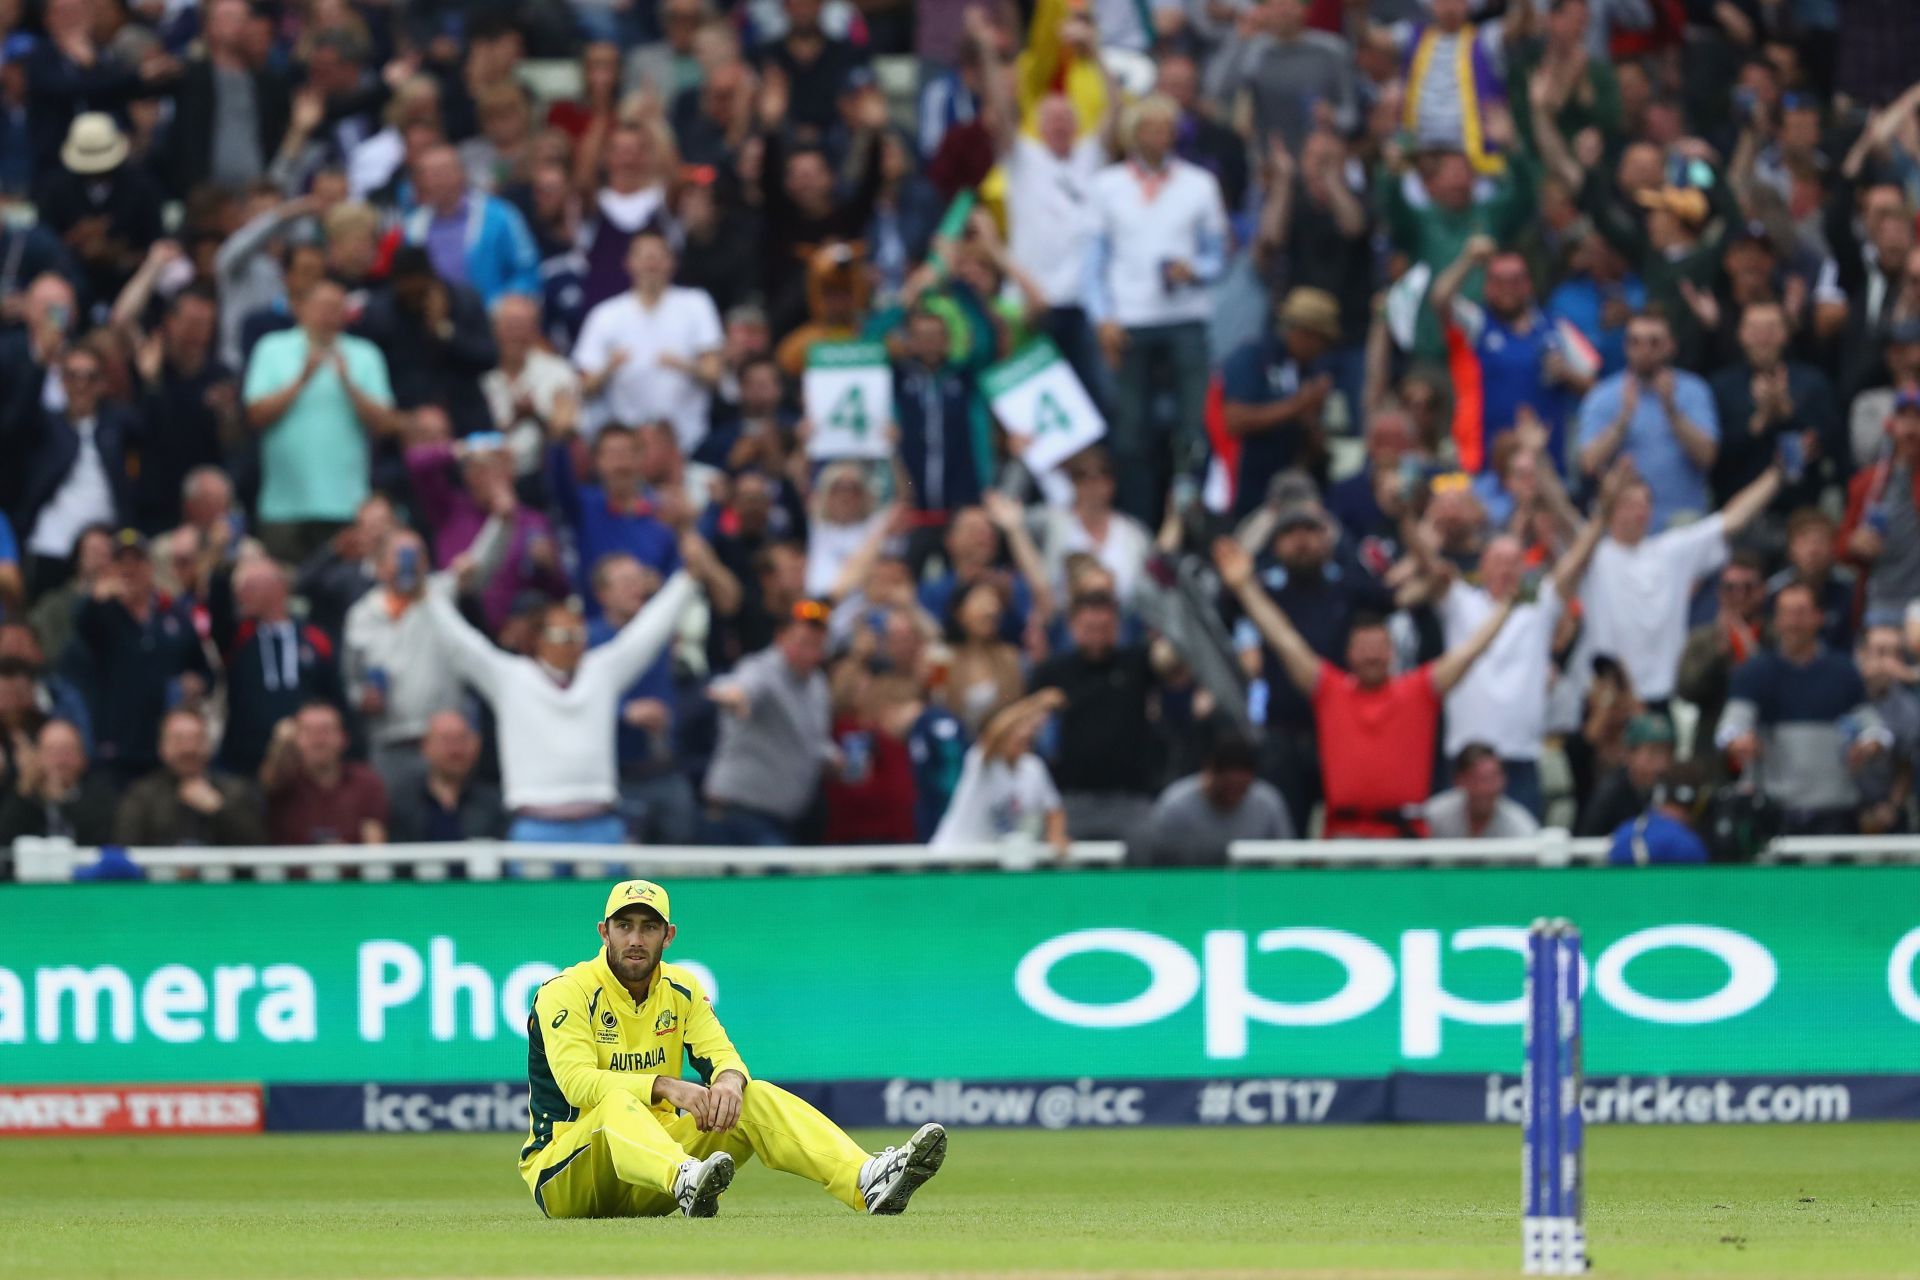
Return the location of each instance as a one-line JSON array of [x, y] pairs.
[[94, 144]]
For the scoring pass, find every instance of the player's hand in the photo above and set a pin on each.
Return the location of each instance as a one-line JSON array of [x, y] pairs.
[[723, 1102], [684, 1094]]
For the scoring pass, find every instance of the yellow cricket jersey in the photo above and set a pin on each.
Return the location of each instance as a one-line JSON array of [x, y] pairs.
[[587, 1040]]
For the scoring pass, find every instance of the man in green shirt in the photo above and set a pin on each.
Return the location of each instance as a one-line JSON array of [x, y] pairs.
[[316, 395]]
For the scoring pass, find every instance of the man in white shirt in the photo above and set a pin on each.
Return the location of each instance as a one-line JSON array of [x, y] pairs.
[[1638, 588], [1475, 807], [652, 353], [556, 710], [1159, 239], [531, 390], [1049, 175], [1502, 700]]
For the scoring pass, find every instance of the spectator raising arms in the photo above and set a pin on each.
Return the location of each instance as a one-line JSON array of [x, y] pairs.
[[556, 710], [1638, 587], [1446, 311], [1376, 729]]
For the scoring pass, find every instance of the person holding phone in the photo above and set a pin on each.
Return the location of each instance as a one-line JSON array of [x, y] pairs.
[[398, 676]]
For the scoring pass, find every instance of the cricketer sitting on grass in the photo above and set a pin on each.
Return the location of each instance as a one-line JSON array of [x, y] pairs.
[[603, 1077]]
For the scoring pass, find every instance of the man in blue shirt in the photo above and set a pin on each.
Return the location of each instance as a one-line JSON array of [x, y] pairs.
[[1799, 720], [656, 800], [1503, 355], [1664, 834], [1661, 417], [1275, 390], [611, 515]]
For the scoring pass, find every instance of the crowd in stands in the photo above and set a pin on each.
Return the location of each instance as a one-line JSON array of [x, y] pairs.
[[1507, 413]]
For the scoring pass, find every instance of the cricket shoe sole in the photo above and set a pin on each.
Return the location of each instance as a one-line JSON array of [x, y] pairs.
[[906, 1170], [699, 1196]]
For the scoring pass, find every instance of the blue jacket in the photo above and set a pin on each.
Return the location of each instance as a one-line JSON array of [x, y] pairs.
[[501, 255], [934, 410], [44, 446]]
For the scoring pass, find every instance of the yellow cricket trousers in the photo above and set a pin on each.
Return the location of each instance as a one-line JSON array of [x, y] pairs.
[[618, 1160]]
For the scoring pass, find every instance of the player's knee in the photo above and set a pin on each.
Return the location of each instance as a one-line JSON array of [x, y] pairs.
[[762, 1097]]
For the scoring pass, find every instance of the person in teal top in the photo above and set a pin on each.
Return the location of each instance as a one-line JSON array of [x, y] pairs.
[[316, 395]]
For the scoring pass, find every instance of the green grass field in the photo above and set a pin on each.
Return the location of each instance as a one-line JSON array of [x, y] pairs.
[[1380, 1201]]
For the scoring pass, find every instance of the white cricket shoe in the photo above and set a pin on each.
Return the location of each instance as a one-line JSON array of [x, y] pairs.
[[888, 1180], [697, 1187]]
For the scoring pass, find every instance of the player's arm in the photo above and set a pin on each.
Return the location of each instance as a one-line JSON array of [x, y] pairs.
[[714, 1057], [566, 1029]]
